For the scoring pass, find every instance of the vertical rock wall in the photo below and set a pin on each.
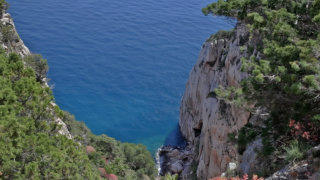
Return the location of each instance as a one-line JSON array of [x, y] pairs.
[[206, 121]]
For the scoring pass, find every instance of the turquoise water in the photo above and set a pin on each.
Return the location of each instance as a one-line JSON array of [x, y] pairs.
[[118, 65]]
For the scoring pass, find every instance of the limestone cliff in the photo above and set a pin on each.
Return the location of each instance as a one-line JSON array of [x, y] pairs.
[[9, 38], [206, 121]]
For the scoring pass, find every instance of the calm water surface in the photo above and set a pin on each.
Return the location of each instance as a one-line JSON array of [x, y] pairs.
[[118, 65]]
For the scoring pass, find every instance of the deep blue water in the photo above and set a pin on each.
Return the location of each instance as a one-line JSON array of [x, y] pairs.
[[118, 65]]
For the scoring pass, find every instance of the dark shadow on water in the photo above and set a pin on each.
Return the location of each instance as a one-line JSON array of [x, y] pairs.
[[175, 138]]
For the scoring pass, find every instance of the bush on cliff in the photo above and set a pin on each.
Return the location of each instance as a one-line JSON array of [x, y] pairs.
[[30, 145], [124, 159], [7, 33], [38, 64], [283, 66], [3, 5]]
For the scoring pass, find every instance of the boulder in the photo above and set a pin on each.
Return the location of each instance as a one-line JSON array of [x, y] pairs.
[[176, 167], [90, 149], [112, 177], [175, 160], [103, 172]]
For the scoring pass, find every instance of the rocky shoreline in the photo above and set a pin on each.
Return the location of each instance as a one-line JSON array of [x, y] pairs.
[[176, 160]]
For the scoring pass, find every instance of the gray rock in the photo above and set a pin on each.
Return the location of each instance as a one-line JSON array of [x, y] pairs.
[[175, 160], [176, 167], [249, 161], [206, 121], [16, 45]]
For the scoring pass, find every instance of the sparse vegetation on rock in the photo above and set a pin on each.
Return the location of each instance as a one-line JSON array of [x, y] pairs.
[[282, 64]]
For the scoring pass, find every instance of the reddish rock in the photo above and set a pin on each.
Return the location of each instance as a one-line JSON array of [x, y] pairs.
[[205, 121], [90, 149], [219, 178], [103, 172], [105, 160], [112, 177]]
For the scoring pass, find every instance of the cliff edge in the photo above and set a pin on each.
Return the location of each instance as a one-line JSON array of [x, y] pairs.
[[206, 121], [38, 139], [10, 40]]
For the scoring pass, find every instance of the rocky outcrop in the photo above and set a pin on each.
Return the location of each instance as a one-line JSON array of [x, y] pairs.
[[105, 175], [10, 40], [306, 169], [250, 162], [63, 127], [176, 160], [206, 121], [90, 149]]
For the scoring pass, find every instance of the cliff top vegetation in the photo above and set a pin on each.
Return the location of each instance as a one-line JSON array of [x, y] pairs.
[[283, 67], [31, 146]]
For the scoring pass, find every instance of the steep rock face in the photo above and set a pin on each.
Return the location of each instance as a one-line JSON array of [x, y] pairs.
[[250, 162], [14, 44], [206, 121]]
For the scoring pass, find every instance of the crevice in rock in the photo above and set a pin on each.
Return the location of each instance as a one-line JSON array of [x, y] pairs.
[[212, 94], [200, 64], [223, 108], [197, 130], [210, 63], [243, 39]]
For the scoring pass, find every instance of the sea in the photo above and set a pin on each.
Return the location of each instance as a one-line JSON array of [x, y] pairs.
[[120, 66]]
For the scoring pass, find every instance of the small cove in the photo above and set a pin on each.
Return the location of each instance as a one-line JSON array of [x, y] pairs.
[[119, 66]]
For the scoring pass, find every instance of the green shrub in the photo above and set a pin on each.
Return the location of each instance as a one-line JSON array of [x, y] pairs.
[[125, 159], [30, 146], [3, 5], [246, 135], [283, 65], [7, 32], [170, 177], [38, 64], [294, 152]]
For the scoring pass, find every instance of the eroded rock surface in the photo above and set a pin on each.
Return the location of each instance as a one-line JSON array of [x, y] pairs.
[[249, 160], [10, 40], [176, 160], [206, 121]]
